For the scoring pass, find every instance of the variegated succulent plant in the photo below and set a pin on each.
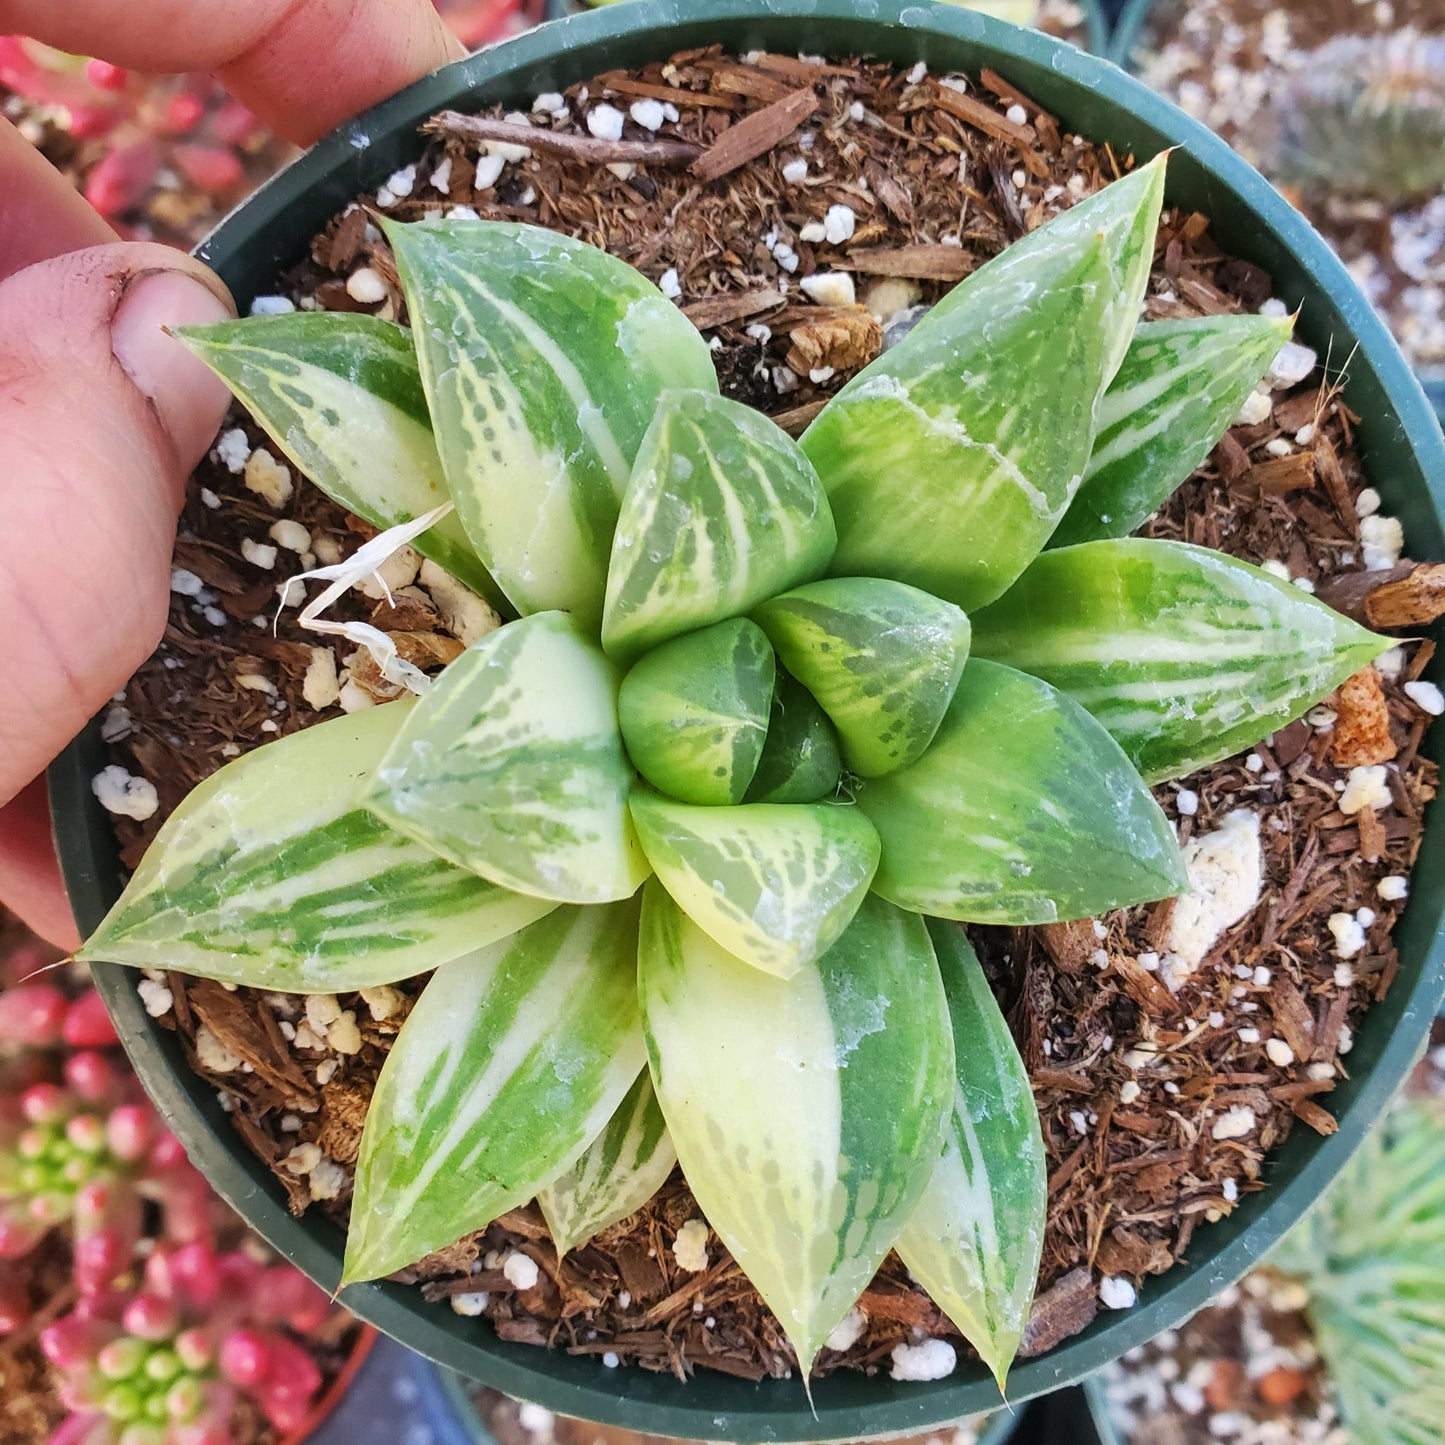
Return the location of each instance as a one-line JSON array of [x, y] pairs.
[[688, 843]]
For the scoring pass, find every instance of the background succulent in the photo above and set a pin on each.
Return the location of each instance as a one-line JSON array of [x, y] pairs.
[[1372, 1257], [1363, 115], [951, 725]]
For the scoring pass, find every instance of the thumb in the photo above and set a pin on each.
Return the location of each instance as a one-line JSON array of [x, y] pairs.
[[102, 416]]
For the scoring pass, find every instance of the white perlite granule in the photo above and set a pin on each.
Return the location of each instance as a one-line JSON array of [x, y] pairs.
[[649, 114], [848, 1331], [1349, 935], [1225, 871], [830, 288], [1234, 1124], [124, 794], [471, 1306], [268, 479], [1382, 539], [1116, 1293], [1365, 788], [927, 1360], [521, 1270], [213, 1054], [689, 1249], [1426, 696], [1393, 888], [605, 122], [839, 225], [156, 997]]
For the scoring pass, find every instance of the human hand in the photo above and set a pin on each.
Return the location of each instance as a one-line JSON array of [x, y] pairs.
[[102, 416]]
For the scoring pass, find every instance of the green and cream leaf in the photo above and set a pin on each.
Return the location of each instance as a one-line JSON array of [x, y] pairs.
[[543, 360], [694, 712], [950, 459], [1024, 810], [975, 1238], [1181, 385], [513, 767], [620, 1171], [774, 884], [513, 1060], [273, 873], [881, 658], [340, 394], [807, 1112], [800, 761], [722, 512], [1185, 655]]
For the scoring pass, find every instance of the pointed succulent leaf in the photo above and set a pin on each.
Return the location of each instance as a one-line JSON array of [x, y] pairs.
[[800, 761], [1024, 810], [694, 712], [882, 659], [723, 510], [273, 873], [512, 766], [1184, 654], [807, 1112], [341, 396], [951, 458], [511, 1063], [543, 360], [774, 884], [1181, 385], [1126, 215], [623, 1167], [975, 1239]]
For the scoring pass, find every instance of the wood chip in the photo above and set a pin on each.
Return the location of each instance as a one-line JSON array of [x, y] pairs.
[[922, 262], [1362, 731], [755, 135], [576, 147], [893, 197], [800, 418], [1414, 600], [714, 311], [981, 117], [844, 339], [1066, 1307], [1282, 475]]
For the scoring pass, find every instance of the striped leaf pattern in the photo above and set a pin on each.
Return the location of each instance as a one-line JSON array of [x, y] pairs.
[[882, 659], [694, 712], [950, 460], [341, 397], [543, 360], [774, 884], [1181, 385], [1024, 810], [722, 512], [513, 767], [975, 1239], [807, 1112], [623, 1168], [800, 761], [511, 1063], [1185, 655], [272, 873]]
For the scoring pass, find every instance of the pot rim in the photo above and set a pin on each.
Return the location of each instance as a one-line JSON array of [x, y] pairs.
[[1405, 456]]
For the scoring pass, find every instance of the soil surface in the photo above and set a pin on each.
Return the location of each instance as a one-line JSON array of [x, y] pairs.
[[1240, 65], [1161, 1095]]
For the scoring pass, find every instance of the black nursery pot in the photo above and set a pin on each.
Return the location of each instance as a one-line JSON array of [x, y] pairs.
[[1403, 454]]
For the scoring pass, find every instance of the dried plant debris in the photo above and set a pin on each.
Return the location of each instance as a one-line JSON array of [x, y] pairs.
[[1343, 104], [1166, 1061]]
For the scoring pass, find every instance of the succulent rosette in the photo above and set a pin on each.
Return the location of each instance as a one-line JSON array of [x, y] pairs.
[[688, 843]]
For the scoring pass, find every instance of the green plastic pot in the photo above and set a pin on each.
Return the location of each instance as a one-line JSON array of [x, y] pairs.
[[1099, 1416], [999, 1429], [1096, 21], [1403, 452], [1121, 49]]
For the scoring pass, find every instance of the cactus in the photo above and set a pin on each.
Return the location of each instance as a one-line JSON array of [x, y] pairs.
[[1363, 115]]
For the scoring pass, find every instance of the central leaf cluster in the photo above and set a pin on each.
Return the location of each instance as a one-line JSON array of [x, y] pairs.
[[688, 841]]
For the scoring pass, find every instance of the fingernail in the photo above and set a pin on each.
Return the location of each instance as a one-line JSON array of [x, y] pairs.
[[188, 398]]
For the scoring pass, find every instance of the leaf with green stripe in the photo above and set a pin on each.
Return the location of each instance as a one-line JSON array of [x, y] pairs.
[[882, 659], [511, 1063], [774, 884], [800, 761], [273, 873], [623, 1168], [951, 459], [722, 512], [513, 766], [807, 1112], [1024, 810], [543, 360], [341, 396], [1185, 655], [975, 1239], [694, 712], [1181, 385]]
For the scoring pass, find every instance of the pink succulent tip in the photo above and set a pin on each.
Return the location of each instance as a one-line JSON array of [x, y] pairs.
[[246, 1357], [151, 1318], [105, 76], [130, 1131], [87, 1025], [91, 1074], [195, 1349], [31, 1016], [183, 113], [74, 1341], [43, 1104], [167, 1153]]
